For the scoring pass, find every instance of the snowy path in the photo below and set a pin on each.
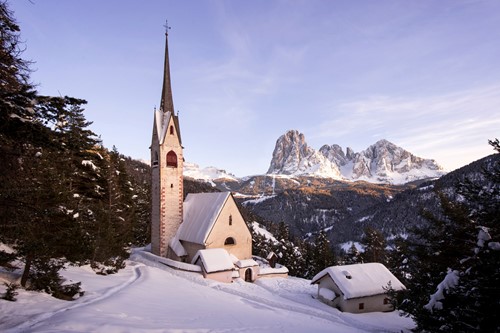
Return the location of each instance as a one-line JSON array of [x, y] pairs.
[[32, 322]]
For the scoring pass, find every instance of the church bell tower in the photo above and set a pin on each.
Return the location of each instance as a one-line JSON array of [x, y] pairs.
[[167, 166]]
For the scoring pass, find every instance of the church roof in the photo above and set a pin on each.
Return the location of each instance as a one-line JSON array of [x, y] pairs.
[[200, 213], [360, 280]]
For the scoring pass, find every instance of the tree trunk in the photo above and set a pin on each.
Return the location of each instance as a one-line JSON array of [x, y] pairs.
[[26, 273]]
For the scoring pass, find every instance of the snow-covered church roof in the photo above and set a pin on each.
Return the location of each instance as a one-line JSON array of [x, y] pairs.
[[200, 213], [360, 280]]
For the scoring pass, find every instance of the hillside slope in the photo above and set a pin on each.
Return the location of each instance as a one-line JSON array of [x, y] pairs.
[[148, 296]]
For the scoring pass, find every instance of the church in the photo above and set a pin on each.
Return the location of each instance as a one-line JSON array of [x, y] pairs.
[[205, 229]]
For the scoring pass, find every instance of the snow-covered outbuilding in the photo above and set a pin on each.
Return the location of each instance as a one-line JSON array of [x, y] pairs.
[[356, 288], [248, 269], [216, 264]]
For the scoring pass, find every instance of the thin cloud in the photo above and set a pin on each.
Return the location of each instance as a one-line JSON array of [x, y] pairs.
[[431, 126]]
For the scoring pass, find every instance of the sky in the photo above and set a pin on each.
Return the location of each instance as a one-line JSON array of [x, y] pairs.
[[424, 75]]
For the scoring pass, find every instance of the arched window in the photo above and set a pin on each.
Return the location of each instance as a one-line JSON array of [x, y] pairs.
[[229, 241], [171, 130], [172, 159]]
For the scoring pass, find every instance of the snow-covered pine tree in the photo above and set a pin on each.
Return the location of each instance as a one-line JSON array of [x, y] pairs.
[[352, 256], [16, 91], [476, 294], [116, 216], [397, 259], [54, 193], [308, 252], [455, 261], [48, 232], [289, 255], [375, 246], [138, 173], [323, 253]]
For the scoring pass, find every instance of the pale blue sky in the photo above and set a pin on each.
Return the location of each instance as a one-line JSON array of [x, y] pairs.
[[424, 75]]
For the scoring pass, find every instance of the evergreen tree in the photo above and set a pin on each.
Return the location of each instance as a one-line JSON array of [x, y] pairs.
[[352, 256], [16, 92], [473, 304], [141, 232], [116, 216], [293, 259], [323, 253], [375, 246], [63, 198], [398, 260], [289, 255], [308, 251], [40, 227], [454, 260], [261, 246]]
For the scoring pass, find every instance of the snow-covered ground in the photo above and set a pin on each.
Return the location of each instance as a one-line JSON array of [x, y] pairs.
[[148, 296]]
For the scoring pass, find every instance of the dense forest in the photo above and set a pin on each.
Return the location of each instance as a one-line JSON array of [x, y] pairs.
[[64, 198]]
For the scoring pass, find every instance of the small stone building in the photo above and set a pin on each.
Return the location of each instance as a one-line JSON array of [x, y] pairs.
[[356, 288]]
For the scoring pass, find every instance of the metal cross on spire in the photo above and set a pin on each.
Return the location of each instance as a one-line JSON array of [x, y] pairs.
[[167, 28]]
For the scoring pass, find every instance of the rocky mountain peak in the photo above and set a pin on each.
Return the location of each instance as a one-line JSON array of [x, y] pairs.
[[334, 153], [382, 162], [292, 156]]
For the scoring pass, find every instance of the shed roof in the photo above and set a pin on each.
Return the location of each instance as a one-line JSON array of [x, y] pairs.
[[200, 213], [360, 280], [214, 260], [246, 263]]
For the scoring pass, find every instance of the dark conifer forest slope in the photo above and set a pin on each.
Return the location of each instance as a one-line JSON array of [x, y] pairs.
[[309, 205]]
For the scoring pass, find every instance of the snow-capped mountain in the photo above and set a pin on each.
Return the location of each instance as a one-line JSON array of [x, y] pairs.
[[194, 171], [292, 156], [382, 162]]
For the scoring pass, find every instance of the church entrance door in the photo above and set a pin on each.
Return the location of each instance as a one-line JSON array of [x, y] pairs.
[[248, 275]]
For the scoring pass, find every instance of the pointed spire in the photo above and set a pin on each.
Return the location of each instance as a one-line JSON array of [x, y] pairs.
[[167, 103]]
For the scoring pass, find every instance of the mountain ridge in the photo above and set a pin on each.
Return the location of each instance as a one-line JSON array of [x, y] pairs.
[[382, 162]]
